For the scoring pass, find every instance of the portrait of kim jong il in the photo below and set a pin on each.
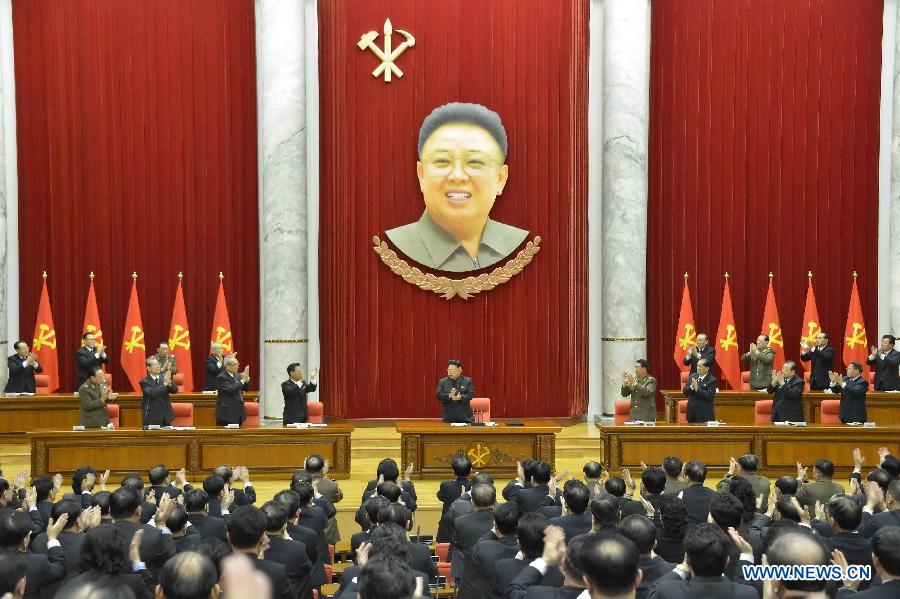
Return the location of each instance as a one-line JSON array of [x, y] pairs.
[[461, 171]]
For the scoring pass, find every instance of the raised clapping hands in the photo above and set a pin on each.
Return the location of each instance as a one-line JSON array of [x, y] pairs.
[[245, 374]]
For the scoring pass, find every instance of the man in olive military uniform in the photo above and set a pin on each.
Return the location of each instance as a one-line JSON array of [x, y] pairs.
[[822, 488], [761, 358], [92, 397], [642, 389], [746, 466], [165, 359]]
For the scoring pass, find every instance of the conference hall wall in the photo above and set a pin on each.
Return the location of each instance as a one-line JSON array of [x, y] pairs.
[[137, 152], [384, 340], [764, 120]]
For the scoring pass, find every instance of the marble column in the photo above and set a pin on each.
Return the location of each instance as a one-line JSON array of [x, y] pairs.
[[9, 287], [889, 249], [626, 96], [282, 121]]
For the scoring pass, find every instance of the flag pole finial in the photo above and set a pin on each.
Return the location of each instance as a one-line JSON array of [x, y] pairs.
[[221, 276], [180, 275], [770, 277], [134, 276], [92, 275], [44, 276], [685, 275], [809, 274], [726, 275], [854, 275]]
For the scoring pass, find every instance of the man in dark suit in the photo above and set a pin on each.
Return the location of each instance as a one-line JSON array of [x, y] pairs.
[[247, 535], [450, 491], [578, 521], [787, 387], [796, 546], [641, 531], [822, 357], [530, 538], [156, 387], [69, 538], [92, 355], [890, 516], [313, 517], [196, 503], [291, 501], [529, 583], [886, 362], [125, 509], [701, 390], [886, 557], [238, 480], [289, 553], [215, 365], [844, 516], [470, 528], [702, 351], [230, 398], [853, 389], [478, 580], [695, 496], [455, 392], [41, 571], [294, 391], [540, 493], [22, 365]]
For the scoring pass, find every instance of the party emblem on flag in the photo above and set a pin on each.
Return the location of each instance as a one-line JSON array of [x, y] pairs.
[[46, 336]]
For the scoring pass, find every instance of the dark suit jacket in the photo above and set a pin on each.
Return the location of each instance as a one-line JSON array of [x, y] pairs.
[[292, 555], [43, 571], [71, 545], [822, 362], [21, 377], [787, 403], [295, 400], [470, 528], [310, 540], [652, 568], [871, 523], [700, 402], [528, 584], [669, 548], [530, 500], [708, 352], [87, 361], [456, 411], [420, 560], [574, 524], [887, 371], [277, 575], [696, 499], [855, 547], [509, 568], [888, 590], [213, 370], [313, 518], [209, 527], [449, 491], [156, 547], [230, 400], [853, 399], [671, 586], [157, 407], [478, 581]]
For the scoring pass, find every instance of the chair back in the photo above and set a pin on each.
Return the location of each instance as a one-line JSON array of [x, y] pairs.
[[184, 414], [763, 411]]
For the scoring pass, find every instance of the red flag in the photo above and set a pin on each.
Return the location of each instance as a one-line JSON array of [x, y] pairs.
[[180, 339], [686, 332], [92, 318], [811, 323], [727, 354], [221, 327], [771, 326], [856, 348], [134, 353], [44, 342]]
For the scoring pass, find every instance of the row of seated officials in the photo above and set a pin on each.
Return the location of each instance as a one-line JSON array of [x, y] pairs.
[[591, 538]]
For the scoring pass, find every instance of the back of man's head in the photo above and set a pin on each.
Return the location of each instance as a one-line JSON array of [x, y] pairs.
[[305, 492], [383, 578], [640, 530], [123, 503], [314, 464], [893, 493], [301, 476], [101, 500], [786, 509], [881, 477], [592, 470], [43, 485], [195, 500], [892, 465], [726, 510], [577, 497], [672, 465], [69, 507], [483, 478], [214, 485], [541, 473], [246, 527], [825, 468], [389, 540], [389, 490], [749, 462], [216, 550], [610, 564], [886, 547], [530, 534], [276, 515], [394, 513], [506, 517], [605, 510], [188, 575], [133, 481], [695, 471], [795, 546], [483, 496], [12, 572], [95, 587], [158, 475], [177, 520], [706, 548], [653, 480], [290, 500], [373, 506], [787, 485], [388, 469], [461, 465], [615, 486], [225, 472], [845, 512]]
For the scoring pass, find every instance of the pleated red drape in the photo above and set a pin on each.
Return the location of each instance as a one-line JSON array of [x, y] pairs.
[[763, 157], [385, 342], [137, 151]]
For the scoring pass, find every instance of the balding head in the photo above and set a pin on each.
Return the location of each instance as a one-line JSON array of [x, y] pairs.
[[188, 575], [798, 548]]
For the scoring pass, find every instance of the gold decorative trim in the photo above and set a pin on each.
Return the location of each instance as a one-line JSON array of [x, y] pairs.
[[449, 288], [285, 340], [623, 338]]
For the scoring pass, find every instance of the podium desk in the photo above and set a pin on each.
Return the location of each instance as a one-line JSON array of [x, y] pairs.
[[431, 446]]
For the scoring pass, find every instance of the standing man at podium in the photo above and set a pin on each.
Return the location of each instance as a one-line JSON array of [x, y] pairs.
[[701, 391], [702, 351], [89, 357], [455, 392], [156, 387], [822, 357]]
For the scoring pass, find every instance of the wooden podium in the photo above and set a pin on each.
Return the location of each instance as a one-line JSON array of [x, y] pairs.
[[431, 446]]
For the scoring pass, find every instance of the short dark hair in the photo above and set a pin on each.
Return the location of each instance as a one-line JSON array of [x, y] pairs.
[[305, 492], [787, 509], [881, 477], [706, 545], [373, 506], [17, 343], [484, 478], [577, 497], [483, 495], [593, 470], [78, 477], [462, 465], [246, 526], [741, 488], [610, 563], [395, 513], [672, 515], [12, 570], [388, 469], [158, 475], [856, 366], [85, 335], [643, 362], [13, 529], [541, 473], [104, 551], [749, 462], [66, 506], [825, 467], [314, 464], [96, 587], [787, 485], [162, 342], [615, 486], [894, 490], [653, 480], [456, 363], [791, 364], [390, 490], [890, 338], [124, 502], [886, 547], [290, 500], [506, 517], [133, 481], [574, 555], [892, 465], [95, 370], [225, 472], [389, 540], [672, 465], [795, 546], [468, 114], [530, 533], [605, 509], [640, 530], [196, 500], [215, 549], [383, 578], [276, 515], [43, 485], [177, 520], [704, 361], [188, 575], [101, 500], [726, 510], [695, 471], [292, 366], [847, 513], [213, 485], [301, 476], [824, 334]]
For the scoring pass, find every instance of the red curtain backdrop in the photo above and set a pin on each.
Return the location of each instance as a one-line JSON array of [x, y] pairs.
[[137, 152], [385, 343], [763, 157]]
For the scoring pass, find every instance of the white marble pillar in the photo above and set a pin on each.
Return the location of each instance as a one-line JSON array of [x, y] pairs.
[[626, 97], [282, 121], [889, 199], [9, 283]]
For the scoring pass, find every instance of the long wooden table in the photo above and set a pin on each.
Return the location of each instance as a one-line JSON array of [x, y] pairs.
[[737, 407], [60, 410], [269, 453], [779, 448], [431, 446]]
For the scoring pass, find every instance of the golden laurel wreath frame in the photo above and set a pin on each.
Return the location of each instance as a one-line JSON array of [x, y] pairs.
[[449, 288]]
